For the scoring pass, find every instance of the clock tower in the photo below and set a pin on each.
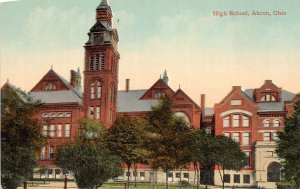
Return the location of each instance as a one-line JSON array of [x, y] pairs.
[[101, 68]]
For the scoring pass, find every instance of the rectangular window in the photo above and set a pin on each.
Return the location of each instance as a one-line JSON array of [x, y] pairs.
[[267, 136], [51, 134], [58, 130], [236, 178], [246, 179], [178, 175], [111, 116], [186, 175], [128, 174], [236, 121], [45, 128], [91, 112], [226, 121], [135, 173], [142, 176], [67, 130], [247, 160], [236, 137], [97, 112], [275, 136], [227, 134], [246, 121], [246, 139], [226, 178], [43, 153], [51, 152]]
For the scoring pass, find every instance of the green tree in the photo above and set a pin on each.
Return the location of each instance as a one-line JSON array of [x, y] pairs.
[[91, 163], [200, 148], [125, 138], [20, 136], [288, 146], [166, 144], [227, 155]]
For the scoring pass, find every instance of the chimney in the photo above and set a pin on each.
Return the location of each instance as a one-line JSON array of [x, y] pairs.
[[73, 78], [127, 85], [203, 106]]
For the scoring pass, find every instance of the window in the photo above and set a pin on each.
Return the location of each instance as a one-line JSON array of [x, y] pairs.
[[51, 134], [128, 174], [53, 115], [247, 159], [43, 153], [236, 121], [135, 173], [58, 130], [226, 178], [50, 87], [67, 130], [68, 114], [268, 98], [185, 175], [45, 115], [267, 136], [92, 90], [266, 123], [227, 134], [99, 89], [273, 98], [170, 176], [142, 175], [246, 179], [246, 121], [91, 112], [97, 62], [60, 114], [226, 121], [246, 139], [97, 112], [112, 94], [51, 152], [102, 62], [274, 172], [177, 175], [236, 178], [45, 128], [111, 116], [275, 136], [236, 137], [91, 63], [276, 123]]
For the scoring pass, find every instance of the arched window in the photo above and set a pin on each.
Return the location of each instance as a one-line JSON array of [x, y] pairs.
[[97, 62], [273, 172], [99, 89], [273, 98], [50, 87], [276, 123], [92, 90], [102, 62], [91, 63], [266, 123], [112, 93]]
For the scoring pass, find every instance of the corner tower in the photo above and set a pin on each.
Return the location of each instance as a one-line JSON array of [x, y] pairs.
[[101, 68]]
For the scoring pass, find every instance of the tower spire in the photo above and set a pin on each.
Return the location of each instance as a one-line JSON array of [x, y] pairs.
[[165, 77], [104, 3]]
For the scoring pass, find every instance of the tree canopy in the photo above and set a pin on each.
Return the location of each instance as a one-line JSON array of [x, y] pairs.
[[288, 146], [20, 136], [87, 158]]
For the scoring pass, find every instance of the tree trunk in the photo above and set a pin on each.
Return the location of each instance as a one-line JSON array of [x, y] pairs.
[[167, 177], [135, 173], [223, 178], [198, 177], [128, 174]]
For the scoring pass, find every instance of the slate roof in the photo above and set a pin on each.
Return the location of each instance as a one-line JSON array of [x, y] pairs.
[[272, 106], [209, 111], [64, 96], [130, 101]]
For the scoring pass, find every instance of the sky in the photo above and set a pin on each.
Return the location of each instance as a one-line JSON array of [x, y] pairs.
[[202, 53]]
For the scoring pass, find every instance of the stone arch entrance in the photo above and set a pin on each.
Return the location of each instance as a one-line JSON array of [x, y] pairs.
[[273, 172]]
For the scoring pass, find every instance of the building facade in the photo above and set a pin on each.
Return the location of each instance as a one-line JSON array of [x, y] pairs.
[[251, 117]]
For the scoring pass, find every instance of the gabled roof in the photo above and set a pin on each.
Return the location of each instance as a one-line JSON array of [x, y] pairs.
[[18, 91], [98, 26], [130, 101], [179, 91], [158, 82], [68, 94], [235, 88]]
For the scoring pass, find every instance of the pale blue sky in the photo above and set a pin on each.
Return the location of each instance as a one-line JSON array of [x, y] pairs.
[[201, 52]]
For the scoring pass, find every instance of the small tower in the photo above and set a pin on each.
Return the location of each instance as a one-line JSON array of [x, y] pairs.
[[165, 77], [101, 68], [78, 81]]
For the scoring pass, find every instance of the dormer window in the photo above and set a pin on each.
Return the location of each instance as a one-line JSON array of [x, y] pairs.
[[268, 98], [50, 87]]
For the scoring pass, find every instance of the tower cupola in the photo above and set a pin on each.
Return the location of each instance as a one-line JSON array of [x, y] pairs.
[[104, 13], [165, 77]]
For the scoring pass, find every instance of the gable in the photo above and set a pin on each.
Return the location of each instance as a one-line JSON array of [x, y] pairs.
[[181, 100], [157, 90], [98, 26], [268, 92], [51, 82]]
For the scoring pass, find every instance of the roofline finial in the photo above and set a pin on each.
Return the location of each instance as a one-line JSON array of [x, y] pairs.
[[51, 67], [7, 81]]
